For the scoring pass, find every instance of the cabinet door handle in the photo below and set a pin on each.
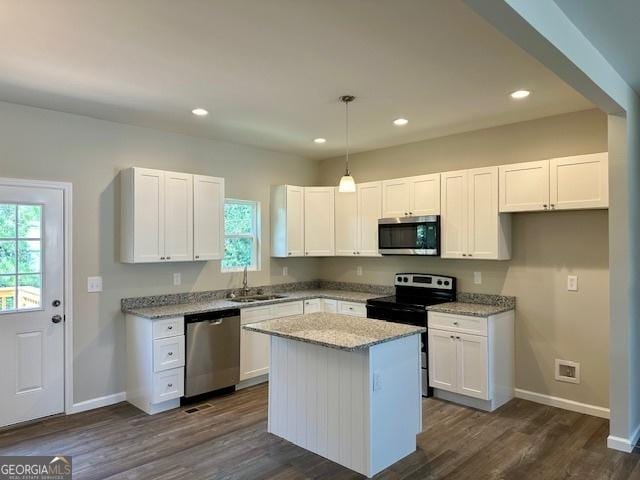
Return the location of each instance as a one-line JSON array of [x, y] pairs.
[[169, 385], [471, 255], [410, 213], [161, 258], [545, 206], [457, 338], [406, 214], [553, 206], [170, 327], [170, 354], [197, 256], [464, 254], [289, 253], [168, 258], [455, 323], [451, 337]]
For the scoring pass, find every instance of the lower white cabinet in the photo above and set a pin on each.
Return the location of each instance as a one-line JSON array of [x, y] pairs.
[[313, 305], [471, 359], [329, 305], [155, 357], [254, 347], [352, 308]]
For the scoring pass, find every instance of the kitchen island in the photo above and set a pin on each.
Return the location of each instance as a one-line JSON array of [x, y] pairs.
[[345, 388]]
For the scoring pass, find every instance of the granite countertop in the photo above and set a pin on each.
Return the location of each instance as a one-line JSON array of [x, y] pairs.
[[471, 309], [334, 330], [181, 309]]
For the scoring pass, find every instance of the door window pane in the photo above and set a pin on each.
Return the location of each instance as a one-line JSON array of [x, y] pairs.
[[7, 257], [7, 220], [29, 221], [7, 292], [29, 291], [28, 256], [20, 257]]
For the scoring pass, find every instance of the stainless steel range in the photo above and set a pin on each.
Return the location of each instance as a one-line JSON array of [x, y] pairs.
[[414, 293]]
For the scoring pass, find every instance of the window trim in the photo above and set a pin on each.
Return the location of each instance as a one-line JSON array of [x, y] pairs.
[[257, 230]]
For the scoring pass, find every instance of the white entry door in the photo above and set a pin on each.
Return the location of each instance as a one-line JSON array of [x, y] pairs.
[[31, 308]]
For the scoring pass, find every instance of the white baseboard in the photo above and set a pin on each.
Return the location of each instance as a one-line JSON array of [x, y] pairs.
[[563, 403], [253, 381], [98, 402], [624, 444]]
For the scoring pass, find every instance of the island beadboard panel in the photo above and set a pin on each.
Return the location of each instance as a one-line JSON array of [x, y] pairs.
[[336, 403]]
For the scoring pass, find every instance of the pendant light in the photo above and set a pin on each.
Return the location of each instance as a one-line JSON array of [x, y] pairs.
[[347, 184]]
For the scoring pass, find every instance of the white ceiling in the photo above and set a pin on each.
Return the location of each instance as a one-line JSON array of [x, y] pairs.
[[270, 71], [613, 27]]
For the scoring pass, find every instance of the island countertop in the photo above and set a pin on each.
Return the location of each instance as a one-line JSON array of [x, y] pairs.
[[334, 330]]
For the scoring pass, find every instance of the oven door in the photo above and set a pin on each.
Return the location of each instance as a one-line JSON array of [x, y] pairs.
[[408, 317], [409, 235]]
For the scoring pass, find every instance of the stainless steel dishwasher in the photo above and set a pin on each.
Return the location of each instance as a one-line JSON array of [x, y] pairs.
[[212, 351]]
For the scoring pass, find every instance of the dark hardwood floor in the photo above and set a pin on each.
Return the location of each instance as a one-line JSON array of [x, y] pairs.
[[522, 440]]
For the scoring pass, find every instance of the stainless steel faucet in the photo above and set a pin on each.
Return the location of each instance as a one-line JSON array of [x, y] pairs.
[[245, 286]]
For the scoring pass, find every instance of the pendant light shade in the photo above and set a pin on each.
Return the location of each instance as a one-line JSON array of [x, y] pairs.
[[347, 183]]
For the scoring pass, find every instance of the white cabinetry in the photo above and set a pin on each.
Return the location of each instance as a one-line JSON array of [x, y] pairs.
[[356, 220], [319, 222], [254, 347], [411, 196], [567, 183], [471, 226], [165, 213], [471, 359], [579, 182], [313, 305], [287, 221], [155, 357], [208, 217], [352, 308]]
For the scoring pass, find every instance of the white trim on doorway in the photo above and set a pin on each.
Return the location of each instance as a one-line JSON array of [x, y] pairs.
[[67, 191], [563, 403]]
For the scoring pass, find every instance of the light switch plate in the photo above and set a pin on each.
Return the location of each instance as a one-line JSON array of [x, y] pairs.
[[94, 284], [477, 278], [177, 279], [359, 271], [285, 271], [377, 381], [572, 283]]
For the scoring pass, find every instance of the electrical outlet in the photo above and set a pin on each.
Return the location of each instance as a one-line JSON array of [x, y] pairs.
[[285, 271], [477, 278], [359, 271], [94, 284], [177, 279], [572, 283], [377, 380], [567, 371]]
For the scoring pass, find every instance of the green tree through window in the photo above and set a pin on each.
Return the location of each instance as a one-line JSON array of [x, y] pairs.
[[241, 235]]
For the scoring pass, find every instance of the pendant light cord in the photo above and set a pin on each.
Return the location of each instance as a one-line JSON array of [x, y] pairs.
[[347, 134]]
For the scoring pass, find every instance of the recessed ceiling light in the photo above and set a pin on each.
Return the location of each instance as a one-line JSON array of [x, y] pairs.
[[400, 121], [200, 112], [320, 140], [518, 94]]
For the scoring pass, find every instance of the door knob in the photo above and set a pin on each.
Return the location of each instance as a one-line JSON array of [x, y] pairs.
[[56, 319]]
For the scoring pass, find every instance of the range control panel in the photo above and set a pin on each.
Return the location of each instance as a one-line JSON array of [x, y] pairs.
[[424, 280]]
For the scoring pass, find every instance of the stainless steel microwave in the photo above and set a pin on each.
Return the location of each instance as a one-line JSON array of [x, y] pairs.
[[409, 235]]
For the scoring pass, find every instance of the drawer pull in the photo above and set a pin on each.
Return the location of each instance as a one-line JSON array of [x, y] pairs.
[[170, 385], [170, 353], [457, 338], [170, 327], [455, 323]]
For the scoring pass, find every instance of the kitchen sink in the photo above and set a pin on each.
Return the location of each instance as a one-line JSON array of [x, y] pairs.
[[256, 298]]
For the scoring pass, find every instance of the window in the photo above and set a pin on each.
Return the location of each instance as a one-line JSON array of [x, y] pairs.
[[20, 256], [241, 235]]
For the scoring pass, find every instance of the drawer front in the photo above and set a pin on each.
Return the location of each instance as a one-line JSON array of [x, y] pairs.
[[168, 353], [255, 314], [329, 305], [168, 385], [351, 308], [168, 327], [287, 309], [458, 323], [313, 305]]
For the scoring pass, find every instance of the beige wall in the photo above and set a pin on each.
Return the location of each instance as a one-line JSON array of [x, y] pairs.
[[41, 144], [551, 322]]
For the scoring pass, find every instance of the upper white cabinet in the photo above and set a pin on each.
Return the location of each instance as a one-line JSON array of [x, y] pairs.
[[178, 217], [356, 220], [411, 196], [287, 221], [471, 226], [579, 182], [208, 218], [524, 186], [166, 214], [561, 183], [319, 223]]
